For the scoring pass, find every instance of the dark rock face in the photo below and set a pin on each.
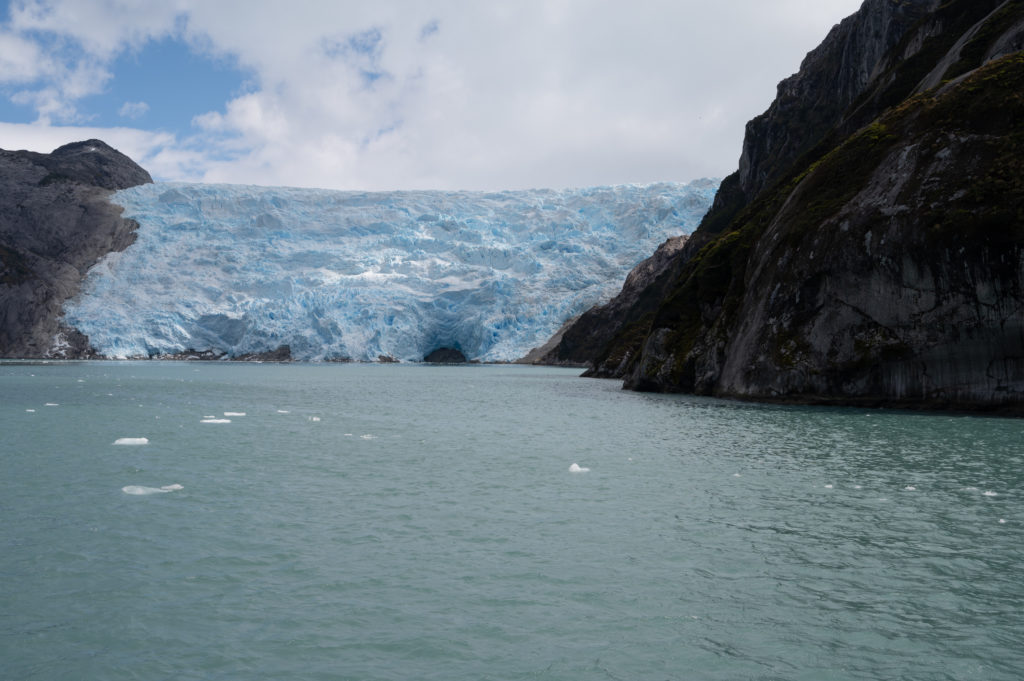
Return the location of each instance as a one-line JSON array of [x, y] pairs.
[[832, 76], [55, 223], [283, 353], [445, 356], [872, 256]]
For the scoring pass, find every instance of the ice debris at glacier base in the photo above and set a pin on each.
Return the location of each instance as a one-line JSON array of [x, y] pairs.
[[357, 275]]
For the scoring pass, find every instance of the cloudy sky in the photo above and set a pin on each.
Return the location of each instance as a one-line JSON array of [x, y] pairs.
[[403, 94]]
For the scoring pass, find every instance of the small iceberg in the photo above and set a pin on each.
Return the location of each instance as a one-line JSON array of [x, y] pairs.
[[576, 468], [139, 490], [130, 441]]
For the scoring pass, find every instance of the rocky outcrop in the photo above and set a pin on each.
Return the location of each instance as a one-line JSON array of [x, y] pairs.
[[872, 256], [55, 223]]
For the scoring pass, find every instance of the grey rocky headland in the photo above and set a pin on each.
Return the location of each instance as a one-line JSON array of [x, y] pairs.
[[55, 223]]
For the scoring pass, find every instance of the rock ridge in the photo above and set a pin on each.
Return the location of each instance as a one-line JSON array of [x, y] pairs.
[[56, 221], [866, 253]]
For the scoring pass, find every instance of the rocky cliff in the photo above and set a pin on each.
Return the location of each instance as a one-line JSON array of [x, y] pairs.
[[870, 249], [55, 223]]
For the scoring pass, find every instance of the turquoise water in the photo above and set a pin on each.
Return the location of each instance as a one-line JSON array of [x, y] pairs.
[[405, 522]]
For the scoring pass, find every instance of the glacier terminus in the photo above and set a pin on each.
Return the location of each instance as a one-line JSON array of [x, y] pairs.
[[342, 275]]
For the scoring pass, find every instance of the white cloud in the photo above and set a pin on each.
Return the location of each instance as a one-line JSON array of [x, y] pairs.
[[443, 94], [21, 60], [133, 110]]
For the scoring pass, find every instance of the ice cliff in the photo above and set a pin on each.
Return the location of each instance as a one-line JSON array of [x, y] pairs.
[[345, 275]]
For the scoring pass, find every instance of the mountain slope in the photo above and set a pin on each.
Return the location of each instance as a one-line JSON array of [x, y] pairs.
[[885, 264]]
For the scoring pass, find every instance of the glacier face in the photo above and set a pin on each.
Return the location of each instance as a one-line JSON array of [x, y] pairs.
[[355, 275]]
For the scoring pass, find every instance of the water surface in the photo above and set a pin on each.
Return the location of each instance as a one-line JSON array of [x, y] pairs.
[[408, 522]]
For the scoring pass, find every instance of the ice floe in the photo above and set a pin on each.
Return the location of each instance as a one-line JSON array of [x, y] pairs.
[[140, 490], [131, 441], [576, 468], [215, 421], [234, 413]]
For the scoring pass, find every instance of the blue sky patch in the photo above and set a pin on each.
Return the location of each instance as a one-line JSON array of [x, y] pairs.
[[173, 82], [162, 86]]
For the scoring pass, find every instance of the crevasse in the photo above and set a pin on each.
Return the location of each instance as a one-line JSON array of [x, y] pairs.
[[333, 275]]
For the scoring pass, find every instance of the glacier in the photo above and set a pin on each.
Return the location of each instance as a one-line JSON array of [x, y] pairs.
[[343, 275]]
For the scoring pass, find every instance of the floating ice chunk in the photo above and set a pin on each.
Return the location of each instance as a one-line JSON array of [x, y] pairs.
[[828, 486], [131, 441], [348, 434], [856, 487], [910, 488], [140, 490], [314, 418], [1002, 521], [576, 468], [215, 421], [990, 493], [31, 411], [210, 416], [970, 489], [52, 404], [368, 437], [736, 475], [234, 413], [283, 411], [81, 380]]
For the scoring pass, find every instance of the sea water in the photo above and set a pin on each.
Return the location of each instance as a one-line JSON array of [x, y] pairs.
[[364, 522]]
